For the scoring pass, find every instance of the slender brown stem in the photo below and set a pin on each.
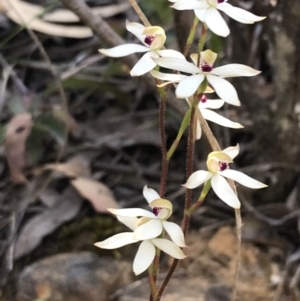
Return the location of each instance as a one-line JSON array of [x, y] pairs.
[[162, 132], [139, 12], [188, 196]]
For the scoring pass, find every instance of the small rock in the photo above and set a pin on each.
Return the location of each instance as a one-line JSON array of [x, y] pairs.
[[73, 277]]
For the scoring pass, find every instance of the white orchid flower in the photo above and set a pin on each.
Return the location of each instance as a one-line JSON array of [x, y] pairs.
[[153, 39], [207, 12], [217, 164], [146, 252], [189, 85], [204, 106], [152, 224]]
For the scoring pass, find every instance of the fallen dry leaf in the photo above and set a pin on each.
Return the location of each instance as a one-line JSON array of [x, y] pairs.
[[97, 193], [17, 132], [64, 210]]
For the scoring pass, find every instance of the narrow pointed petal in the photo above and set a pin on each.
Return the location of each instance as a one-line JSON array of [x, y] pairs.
[[130, 222], [233, 70], [212, 104], [136, 29], [224, 89], [132, 212], [150, 194], [243, 179], [148, 230], [232, 151], [168, 247], [174, 78], [200, 13], [191, 4], [116, 241], [224, 191], [123, 50], [143, 257], [216, 23], [239, 14], [197, 178], [144, 65], [175, 233], [217, 118], [189, 85], [171, 53], [177, 64]]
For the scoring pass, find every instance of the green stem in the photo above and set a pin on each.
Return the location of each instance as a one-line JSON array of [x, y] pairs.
[[203, 38], [191, 36], [183, 126]]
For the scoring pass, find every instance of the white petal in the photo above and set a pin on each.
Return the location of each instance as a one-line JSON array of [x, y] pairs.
[[149, 230], [168, 247], [143, 257], [216, 23], [224, 191], [136, 29], [177, 64], [212, 104], [232, 151], [190, 4], [150, 194], [123, 50], [200, 14], [217, 118], [239, 14], [168, 76], [232, 70], [243, 179], [132, 212], [144, 65], [116, 241], [189, 85], [170, 53], [130, 222], [175, 233], [224, 89], [197, 178]]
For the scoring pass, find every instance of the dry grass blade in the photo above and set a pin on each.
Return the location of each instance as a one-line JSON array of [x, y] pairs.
[[17, 132]]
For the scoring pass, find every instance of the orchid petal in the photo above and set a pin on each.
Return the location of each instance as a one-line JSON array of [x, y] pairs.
[[131, 212], [170, 77], [171, 53], [117, 241], [136, 29], [144, 65], [224, 89], [191, 4], [212, 104], [232, 151], [149, 230], [168, 247], [150, 194], [219, 119], [177, 64], [239, 14], [243, 179], [197, 178], [175, 233], [143, 257], [233, 70], [216, 23], [224, 191], [189, 85], [198, 129], [200, 14], [130, 222], [123, 50]]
